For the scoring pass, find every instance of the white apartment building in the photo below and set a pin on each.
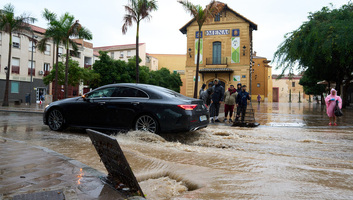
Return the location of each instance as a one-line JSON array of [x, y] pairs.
[[124, 52], [21, 62]]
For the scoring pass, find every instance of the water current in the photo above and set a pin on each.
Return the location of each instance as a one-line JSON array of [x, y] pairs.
[[293, 154]]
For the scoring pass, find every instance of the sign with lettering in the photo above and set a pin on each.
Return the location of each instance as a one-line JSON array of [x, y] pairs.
[[198, 35], [235, 32], [217, 32]]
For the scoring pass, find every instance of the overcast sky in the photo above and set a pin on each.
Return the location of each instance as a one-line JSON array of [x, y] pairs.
[[104, 19]]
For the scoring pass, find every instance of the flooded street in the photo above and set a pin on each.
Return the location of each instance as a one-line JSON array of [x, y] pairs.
[[293, 154]]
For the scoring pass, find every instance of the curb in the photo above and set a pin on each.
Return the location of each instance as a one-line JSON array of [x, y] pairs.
[[22, 111]]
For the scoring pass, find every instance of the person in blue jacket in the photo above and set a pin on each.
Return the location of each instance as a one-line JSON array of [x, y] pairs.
[[242, 102], [217, 98]]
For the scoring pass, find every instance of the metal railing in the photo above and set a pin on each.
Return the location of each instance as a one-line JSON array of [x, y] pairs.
[[217, 61]]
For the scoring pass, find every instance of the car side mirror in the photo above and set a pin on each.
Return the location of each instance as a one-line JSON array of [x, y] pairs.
[[84, 97]]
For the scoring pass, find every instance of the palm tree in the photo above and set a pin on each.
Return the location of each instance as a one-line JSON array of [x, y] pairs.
[[9, 23], [52, 32], [63, 31], [200, 16], [138, 10]]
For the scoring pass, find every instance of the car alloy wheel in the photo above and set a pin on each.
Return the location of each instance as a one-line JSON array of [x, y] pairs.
[[56, 120], [146, 123]]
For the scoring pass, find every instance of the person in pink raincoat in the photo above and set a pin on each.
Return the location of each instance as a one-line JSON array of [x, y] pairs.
[[330, 101]]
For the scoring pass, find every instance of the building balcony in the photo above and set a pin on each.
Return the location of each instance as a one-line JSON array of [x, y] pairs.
[[220, 62], [15, 69], [33, 71]]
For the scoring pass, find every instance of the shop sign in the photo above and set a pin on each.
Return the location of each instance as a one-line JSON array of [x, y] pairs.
[[217, 32]]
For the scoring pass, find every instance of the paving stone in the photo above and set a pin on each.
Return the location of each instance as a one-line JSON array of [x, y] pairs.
[[28, 172], [52, 195]]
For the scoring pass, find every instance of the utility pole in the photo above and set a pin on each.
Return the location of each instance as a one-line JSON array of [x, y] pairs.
[[31, 83]]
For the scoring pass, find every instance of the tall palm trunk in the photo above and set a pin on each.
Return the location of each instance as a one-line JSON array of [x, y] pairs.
[[56, 73], [197, 65], [66, 71], [6, 95], [137, 54]]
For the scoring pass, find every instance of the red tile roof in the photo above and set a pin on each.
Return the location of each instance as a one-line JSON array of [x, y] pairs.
[[37, 29], [95, 53], [117, 47]]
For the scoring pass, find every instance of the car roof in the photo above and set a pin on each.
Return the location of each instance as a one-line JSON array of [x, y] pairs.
[[150, 89]]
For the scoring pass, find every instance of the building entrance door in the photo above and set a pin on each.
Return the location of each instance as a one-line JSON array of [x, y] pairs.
[[40, 94], [275, 94], [217, 53]]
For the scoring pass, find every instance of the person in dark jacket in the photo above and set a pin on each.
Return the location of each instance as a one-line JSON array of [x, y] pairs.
[[217, 98], [238, 108], [238, 88], [242, 102], [206, 96], [202, 90]]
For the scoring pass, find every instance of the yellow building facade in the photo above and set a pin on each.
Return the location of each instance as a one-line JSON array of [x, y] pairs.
[[287, 89], [226, 50], [261, 77], [175, 63]]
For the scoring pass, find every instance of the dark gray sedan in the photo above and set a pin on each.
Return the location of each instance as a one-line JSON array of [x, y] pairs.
[[128, 106]]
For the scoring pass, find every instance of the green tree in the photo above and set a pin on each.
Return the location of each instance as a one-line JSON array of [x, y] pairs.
[[309, 83], [201, 16], [138, 10], [323, 44], [112, 71], [117, 71], [54, 33], [76, 74], [64, 31], [10, 24], [164, 78]]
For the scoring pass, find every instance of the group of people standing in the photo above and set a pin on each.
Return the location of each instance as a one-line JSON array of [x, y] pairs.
[[214, 95]]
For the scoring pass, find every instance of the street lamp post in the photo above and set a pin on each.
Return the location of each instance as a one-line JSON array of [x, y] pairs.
[[31, 83], [6, 95]]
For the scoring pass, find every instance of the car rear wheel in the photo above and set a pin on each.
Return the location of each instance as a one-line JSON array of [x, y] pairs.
[[146, 123], [56, 120]]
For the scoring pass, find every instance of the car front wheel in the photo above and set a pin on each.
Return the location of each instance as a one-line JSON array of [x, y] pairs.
[[146, 123], [56, 121]]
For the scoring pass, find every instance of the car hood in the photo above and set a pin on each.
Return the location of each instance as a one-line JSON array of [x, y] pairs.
[[65, 100]]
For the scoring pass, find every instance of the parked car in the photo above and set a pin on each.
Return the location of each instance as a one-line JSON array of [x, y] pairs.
[[126, 106]]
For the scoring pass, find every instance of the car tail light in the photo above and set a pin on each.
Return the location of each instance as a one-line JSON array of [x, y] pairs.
[[188, 107]]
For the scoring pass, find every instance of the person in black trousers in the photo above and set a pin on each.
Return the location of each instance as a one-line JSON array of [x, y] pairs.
[[217, 98], [242, 102]]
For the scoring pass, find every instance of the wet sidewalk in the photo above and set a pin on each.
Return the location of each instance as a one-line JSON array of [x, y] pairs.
[[33, 108], [28, 172]]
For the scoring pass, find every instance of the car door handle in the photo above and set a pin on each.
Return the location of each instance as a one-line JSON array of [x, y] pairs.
[[135, 103], [101, 103]]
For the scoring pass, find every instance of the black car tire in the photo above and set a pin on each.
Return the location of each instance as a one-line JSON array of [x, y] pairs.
[[146, 123], [56, 120]]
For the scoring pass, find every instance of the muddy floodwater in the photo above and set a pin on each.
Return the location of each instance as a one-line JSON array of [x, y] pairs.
[[293, 154]]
